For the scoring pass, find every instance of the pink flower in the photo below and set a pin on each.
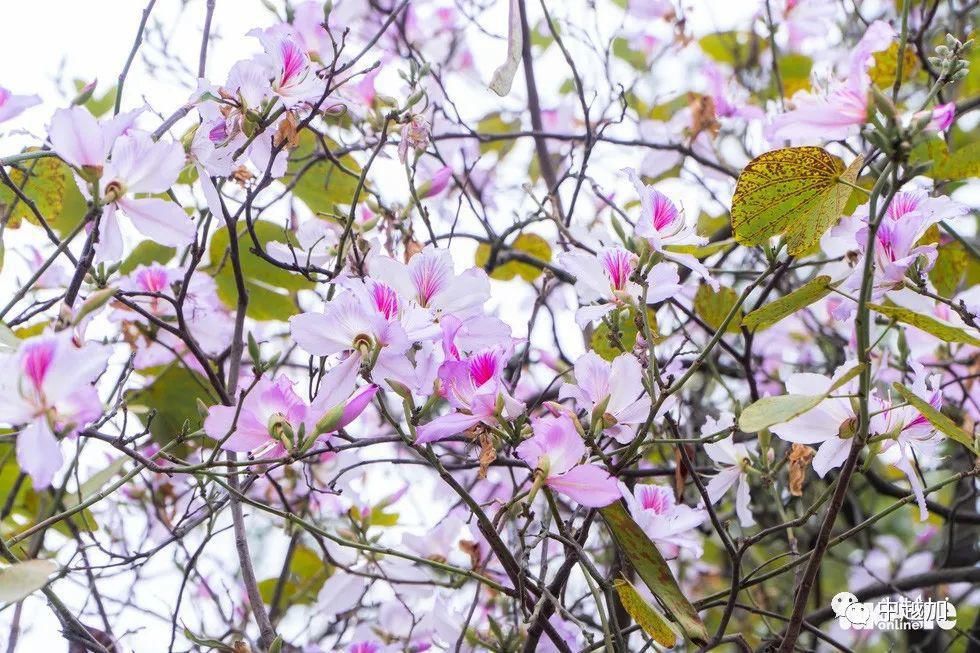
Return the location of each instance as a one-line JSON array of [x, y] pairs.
[[840, 112], [734, 461], [430, 280], [555, 451], [294, 78], [474, 387], [606, 277], [272, 416], [729, 99], [361, 319], [821, 118], [912, 438], [662, 224], [908, 216], [12, 105], [831, 423], [617, 387], [415, 135], [670, 525], [137, 165], [47, 387]]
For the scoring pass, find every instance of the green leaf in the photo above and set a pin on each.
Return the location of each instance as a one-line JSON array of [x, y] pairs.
[[22, 579], [621, 49], [651, 621], [605, 340], [98, 106], [173, 395], [652, 568], [94, 484], [795, 71], [936, 418], [269, 287], [779, 309], [146, 253], [779, 409], [769, 411], [316, 180], [713, 307], [494, 124], [731, 47], [941, 329], [531, 244], [794, 191], [963, 163], [885, 67], [304, 579]]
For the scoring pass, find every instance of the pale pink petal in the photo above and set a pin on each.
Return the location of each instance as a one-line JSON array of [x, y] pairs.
[[145, 166], [830, 455], [721, 482], [76, 137], [162, 221], [12, 106], [444, 427], [317, 334], [589, 485], [248, 435], [38, 453], [742, 502], [337, 384], [110, 245]]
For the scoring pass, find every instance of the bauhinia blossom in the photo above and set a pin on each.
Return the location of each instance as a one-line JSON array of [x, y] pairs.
[[832, 423], [556, 452], [672, 526], [910, 438], [46, 389], [616, 388], [607, 278], [475, 390], [273, 419], [663, 226], [734, 461], [136, 165], [840, 111], [414, 135], [896, 246]]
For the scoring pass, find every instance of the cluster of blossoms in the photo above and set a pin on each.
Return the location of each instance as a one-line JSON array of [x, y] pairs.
[[382, 369]]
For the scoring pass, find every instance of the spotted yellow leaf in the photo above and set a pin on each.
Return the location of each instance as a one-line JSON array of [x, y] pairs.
[[796, 192]]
